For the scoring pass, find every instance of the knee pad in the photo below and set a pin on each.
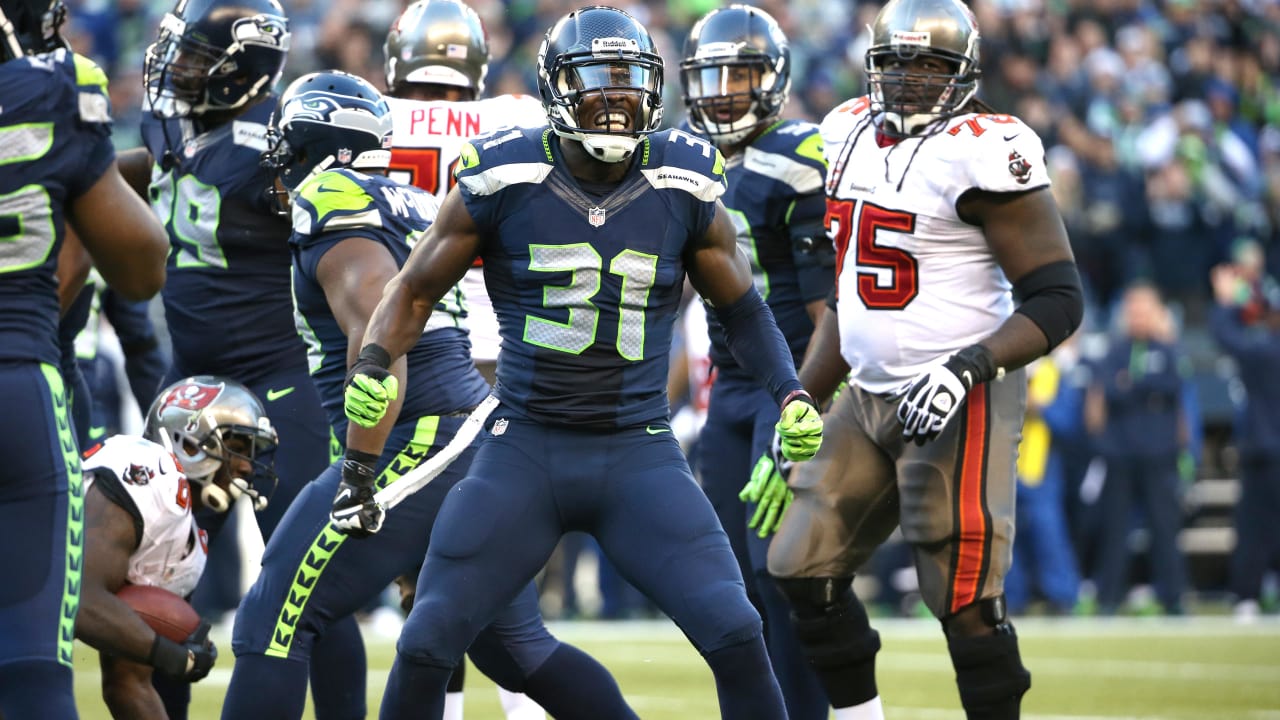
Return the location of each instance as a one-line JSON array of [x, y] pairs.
[[836, 635], [989, 670]]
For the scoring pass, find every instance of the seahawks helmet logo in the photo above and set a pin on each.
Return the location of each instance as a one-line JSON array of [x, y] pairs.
[[264, 30]]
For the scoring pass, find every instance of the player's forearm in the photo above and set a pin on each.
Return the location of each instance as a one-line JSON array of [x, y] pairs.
[[824, 367], [107, 624], [399, 319], [129, 693], [1016, 342], [757, 344]]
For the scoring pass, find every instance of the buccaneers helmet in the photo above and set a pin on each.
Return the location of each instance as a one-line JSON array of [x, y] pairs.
[[909, 30], [440, 42]]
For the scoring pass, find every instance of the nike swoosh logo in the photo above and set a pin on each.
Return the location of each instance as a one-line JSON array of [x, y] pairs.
[[656, 430], [325, 188], [274, 395], [1007, 138]]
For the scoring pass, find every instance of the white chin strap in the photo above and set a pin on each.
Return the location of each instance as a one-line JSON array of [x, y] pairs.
[[731, 133], [608, 148], [219, 500]]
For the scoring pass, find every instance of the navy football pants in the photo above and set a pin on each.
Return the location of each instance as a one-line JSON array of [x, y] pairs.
[[740, 422], [41, 524]]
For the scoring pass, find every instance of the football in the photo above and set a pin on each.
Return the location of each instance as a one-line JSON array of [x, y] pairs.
[[165, 612]]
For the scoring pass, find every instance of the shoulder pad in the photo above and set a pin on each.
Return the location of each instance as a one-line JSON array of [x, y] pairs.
[[510, 156], [333, 200], [132, 459], [997, 153], [790, 152], [677, 160]]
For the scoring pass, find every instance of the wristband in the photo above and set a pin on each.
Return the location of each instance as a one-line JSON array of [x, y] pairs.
[[375, 354], [168, 657], [798, 395]]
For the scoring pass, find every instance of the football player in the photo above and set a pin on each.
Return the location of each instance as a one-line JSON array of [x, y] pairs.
[[587, 229], [737, 73], [141, 528], [58, 171], [353, 229], [210, 81], [953, 271], [437, 57]]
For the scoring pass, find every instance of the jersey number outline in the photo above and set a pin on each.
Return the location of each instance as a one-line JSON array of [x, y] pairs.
[[423, 168], [27, 232], [638, 271], [190, 210], [903, 269]]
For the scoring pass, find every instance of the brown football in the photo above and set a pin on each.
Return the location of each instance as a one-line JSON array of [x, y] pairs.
[[166, 613]]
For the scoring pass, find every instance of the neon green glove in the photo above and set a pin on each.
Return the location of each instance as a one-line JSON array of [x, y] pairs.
[[768, 489], [800, 428], [370, 387]]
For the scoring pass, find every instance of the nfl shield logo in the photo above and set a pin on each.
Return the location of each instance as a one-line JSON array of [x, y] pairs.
[[595, 216], [344, 155], [499, 426]]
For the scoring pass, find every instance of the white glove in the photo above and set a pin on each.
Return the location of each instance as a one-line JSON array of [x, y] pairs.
[[934, 396]]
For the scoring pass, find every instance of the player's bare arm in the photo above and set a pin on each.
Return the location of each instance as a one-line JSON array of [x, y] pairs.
[[824, 367], [130, 249], [135, 168], [74, 265], [717, 268], [127, 689], [1027, 237], [353, 274], [436, 264], [106, 622]]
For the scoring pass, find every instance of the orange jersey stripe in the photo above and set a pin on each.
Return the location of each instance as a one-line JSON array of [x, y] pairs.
[[972, 536]]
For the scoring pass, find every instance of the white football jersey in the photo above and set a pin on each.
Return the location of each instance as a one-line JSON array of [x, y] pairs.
[[173, 549], [428, 136], [916, 283]]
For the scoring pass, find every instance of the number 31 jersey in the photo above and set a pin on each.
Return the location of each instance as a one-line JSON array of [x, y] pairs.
[[144, 479], [916, 283]]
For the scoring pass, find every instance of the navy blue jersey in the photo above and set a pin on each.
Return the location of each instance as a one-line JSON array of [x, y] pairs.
[[777, 204], [55, 143], [227, 295], [341, 204], [586, 285]]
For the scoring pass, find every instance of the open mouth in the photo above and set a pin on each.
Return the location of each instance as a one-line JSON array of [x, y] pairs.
[[613, 121]]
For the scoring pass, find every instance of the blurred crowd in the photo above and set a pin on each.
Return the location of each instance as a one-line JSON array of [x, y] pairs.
[[1161, 122]]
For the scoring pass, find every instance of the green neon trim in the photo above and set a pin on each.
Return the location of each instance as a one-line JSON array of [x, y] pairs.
[[75, 515]]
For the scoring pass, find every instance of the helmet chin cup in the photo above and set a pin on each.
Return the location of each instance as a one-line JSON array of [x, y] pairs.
[[609, 148], [240, 486], [215, 498]]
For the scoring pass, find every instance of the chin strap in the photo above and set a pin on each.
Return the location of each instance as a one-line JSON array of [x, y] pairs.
[[220, 500], [609, 148]]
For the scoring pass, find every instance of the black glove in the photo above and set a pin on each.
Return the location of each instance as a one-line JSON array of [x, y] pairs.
[[356, 512], [190, 660]]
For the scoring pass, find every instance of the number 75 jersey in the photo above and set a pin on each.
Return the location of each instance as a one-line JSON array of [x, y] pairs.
[[914, 282]]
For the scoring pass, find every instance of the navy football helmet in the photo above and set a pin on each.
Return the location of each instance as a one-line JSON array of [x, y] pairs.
[[30, 27], [214, 56], [600, 50], [205, 421], [736, 72], [328, 120]]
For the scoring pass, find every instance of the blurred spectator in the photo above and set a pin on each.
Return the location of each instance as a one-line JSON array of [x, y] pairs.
[[1135, 410], [1043, 559], [1248, 329]]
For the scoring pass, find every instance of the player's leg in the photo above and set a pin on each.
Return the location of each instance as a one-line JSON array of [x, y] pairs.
[[957, 495], [656, 525], [495, 531], [41, 512], [725, 448], [846, 505], [801, 689], [517, 652], [312, 575]]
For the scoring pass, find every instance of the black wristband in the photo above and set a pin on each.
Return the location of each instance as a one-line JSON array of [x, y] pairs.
[[168, 657], [375, 354], [358, 468], [978, 361]]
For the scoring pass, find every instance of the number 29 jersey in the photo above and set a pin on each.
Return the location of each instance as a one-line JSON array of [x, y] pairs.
[[55, 143], [587, 281], [914, 282]]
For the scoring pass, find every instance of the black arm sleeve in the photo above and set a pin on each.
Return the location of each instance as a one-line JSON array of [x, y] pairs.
[[1051, 297], [757, 344]]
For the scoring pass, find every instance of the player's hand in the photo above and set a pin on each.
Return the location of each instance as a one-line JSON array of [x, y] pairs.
[[800, 428], [934, 396], [370, 387], [190, 660], [356, 511], [768, 489]]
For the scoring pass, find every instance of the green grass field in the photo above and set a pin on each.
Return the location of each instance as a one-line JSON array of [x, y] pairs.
[[1083, 669]]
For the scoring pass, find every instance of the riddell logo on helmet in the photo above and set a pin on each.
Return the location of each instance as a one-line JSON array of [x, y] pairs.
[[613, 45], [908, 37]]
